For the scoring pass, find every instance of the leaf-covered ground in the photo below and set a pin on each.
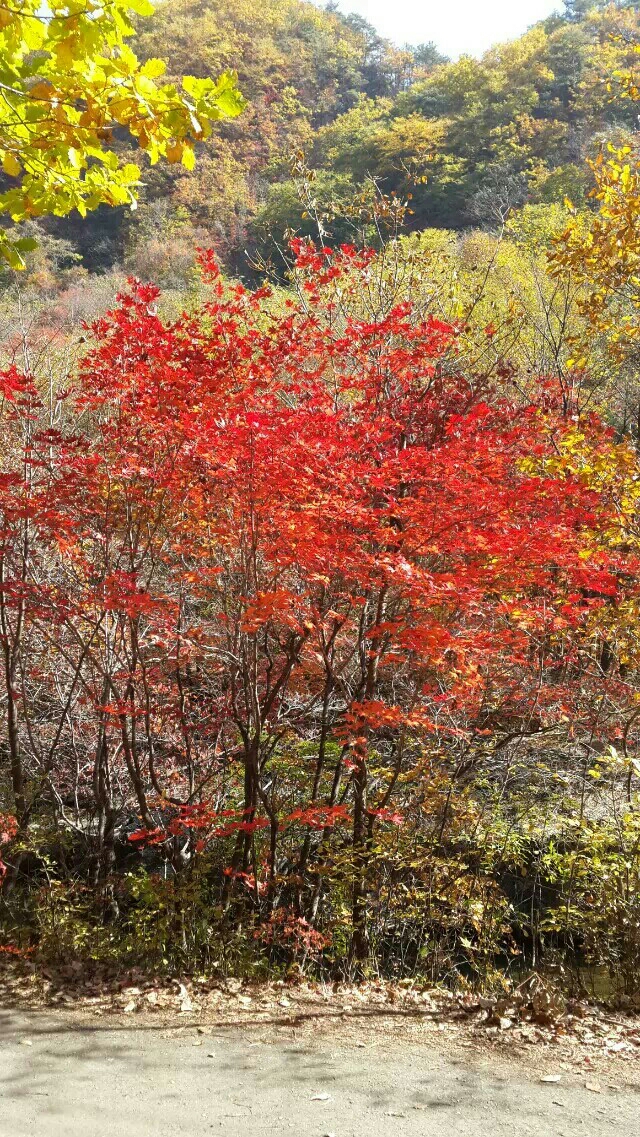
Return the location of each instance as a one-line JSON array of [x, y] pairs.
[[535, 1023], [321, 1063]]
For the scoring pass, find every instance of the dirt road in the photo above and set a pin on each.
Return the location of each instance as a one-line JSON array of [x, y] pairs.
[[65, 1078]]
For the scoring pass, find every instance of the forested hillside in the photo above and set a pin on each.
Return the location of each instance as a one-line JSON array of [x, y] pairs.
[[469, 140]]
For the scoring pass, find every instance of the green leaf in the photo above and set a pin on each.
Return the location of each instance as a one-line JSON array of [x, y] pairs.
[[25, 244]]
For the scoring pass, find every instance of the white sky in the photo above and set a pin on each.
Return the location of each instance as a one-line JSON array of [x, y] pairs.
[[456, 26]]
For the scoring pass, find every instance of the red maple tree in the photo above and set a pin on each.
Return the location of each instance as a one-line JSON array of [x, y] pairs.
[[264, 559]]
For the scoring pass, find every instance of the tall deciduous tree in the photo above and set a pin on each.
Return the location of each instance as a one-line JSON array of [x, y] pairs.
[[604, 254]]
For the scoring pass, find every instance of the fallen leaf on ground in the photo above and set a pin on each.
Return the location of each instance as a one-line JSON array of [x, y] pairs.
[[186, 1004]]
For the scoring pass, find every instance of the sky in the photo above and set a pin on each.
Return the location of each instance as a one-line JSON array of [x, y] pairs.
[[457, 26]]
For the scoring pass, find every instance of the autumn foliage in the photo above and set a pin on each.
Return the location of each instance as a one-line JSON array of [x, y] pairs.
[[276, 581]]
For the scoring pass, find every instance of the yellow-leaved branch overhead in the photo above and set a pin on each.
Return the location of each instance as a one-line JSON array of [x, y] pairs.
[[69, 82]]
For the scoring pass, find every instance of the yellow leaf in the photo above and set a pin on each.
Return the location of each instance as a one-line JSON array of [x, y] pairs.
[[11, 165], [153, 68], [188, 158], [66, 52]]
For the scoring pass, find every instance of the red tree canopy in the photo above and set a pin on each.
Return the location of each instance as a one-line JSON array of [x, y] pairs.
[[276, 526]]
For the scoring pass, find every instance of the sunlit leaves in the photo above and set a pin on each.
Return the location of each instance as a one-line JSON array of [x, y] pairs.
[[61, 108], [603, 252]]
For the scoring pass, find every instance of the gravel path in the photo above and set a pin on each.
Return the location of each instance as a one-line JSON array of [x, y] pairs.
[[66, 1078]]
